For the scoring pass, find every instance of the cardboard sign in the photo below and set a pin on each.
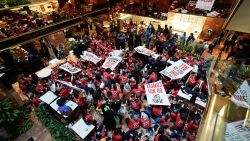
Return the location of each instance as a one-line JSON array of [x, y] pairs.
[[156, 94], [235, 131], [143, 50], [242, 95], [69, 85], [177, 70], [205, 4], [111, 62], [82, 129], [69, 68], [90, 57], [116, 53]]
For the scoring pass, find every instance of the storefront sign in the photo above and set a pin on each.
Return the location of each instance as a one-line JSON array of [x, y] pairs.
[[111, 62], [205, 4], [69, 68], [143, 50], [90, 57], [235, 131], [156, 94], [242, 95], [177, 70]]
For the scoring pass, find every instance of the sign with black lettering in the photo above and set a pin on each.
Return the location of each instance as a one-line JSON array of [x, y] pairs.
[[156, 94], [235, 131], [242, 95]]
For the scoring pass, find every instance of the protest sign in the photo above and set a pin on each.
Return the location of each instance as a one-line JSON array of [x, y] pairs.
[[156, 94], [177, 70], [82, 129], [205, 4], [143, 50], [69, 68], [235, 131], [116, 53], [111, 62], [242, 95], [90, 57]]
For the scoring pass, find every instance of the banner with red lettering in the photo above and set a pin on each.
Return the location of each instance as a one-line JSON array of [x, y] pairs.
[[111, 62], [242, 95], [235, 131], [205, 4], [177, 70], [90, 57], [156, 94], [143, 50]]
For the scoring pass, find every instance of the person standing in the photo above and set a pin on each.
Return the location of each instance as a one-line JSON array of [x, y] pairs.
[[190, 38], [234, 50], [183, 39], [214, 43]]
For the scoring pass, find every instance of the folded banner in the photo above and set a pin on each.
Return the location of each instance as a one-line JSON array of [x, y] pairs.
[[177, 70], [69, 85], [111, 62], [69, 68], [205, 4], [235, 131], [242, 95], [143, 50], [156, 94], [90, 57]]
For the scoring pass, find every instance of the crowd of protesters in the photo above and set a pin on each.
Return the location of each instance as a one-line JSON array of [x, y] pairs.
[[119, 97]]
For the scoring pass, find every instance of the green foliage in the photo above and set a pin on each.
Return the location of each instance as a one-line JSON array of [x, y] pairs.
[[25, 125], [9, 112], [12, 3], [14, 119], [57, 129]]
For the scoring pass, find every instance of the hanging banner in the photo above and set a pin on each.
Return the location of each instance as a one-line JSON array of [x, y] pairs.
[[143, 50], [242, 95], [235, 131], [177, 70], [205, 4], [90, 57], [111, 62], [156, 94], [69, 68]]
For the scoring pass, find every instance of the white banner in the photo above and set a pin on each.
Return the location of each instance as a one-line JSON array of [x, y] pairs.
[[177, 70], [69, 85], [69, 68], [235, 131], [116, 53], [143, 50], [242, 95], [156, 94], [111, 62], [205, 4], [90, 57]]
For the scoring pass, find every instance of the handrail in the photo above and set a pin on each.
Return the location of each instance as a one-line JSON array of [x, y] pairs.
[[44, 31]]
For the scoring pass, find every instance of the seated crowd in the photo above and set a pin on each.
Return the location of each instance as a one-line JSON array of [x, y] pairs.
[[118, 96]]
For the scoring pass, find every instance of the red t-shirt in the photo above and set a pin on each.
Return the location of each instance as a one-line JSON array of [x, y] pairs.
[[115, 94], [157, 111], [134, 125], [123, 79], [64, 93], [117, 137], [136, 105], [132, 84], [153, 77], [179, 123], [192, 80], [145, 123], [35, 101]]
